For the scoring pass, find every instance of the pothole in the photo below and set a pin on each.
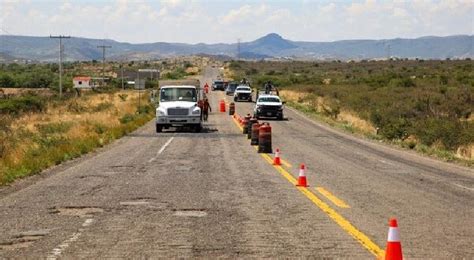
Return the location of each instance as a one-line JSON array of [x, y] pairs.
[[23, 239], [145, 201], [92, 176], [197, 213], [76, 211]]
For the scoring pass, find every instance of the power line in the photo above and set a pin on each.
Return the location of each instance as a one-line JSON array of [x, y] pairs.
[[103, 60], [61, 50]]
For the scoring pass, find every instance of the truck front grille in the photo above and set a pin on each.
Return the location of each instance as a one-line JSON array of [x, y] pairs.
[[178, 111], [270, 108]]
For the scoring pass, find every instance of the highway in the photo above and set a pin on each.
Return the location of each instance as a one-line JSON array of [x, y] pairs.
[[210, 194]]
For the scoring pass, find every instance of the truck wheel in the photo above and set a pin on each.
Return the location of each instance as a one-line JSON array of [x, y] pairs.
[[159, 128], [197, 128], [280, 117]]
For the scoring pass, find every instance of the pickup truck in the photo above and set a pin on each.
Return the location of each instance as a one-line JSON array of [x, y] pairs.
[[268, 106], [243, 92], [178, 105]]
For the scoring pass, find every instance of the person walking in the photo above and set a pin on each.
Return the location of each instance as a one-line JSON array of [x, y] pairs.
[[206, 108]]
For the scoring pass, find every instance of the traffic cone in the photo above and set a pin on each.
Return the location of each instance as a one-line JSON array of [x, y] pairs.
[[302, 177], [394, 247], [276, 160]]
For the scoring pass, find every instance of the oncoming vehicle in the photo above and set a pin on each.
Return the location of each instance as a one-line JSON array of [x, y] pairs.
[[218, 85], [243, 92], [178, 107], [231, 88], [268, 106]]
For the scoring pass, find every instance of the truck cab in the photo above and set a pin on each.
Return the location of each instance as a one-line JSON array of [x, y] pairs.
[[178, 107]]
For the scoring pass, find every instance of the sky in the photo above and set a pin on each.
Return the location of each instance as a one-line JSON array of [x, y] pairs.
[[227, 21]]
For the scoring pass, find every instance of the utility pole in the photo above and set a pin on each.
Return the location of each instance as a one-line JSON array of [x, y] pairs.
[[103, 61], [238, 49], [121, 72], [61, 50]]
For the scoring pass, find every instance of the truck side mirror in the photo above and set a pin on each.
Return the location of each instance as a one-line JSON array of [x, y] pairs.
[[284, 102]]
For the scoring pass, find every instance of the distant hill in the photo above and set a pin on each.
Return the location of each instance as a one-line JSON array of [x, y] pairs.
[[270, 46]]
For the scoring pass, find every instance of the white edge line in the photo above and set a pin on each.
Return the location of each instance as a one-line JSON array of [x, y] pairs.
[[162, 149], [57, 251]]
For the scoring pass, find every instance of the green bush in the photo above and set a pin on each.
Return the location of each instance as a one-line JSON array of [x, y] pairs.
[[20, 104], [127, 118]]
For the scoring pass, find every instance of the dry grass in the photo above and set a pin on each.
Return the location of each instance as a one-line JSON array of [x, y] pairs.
[[319, 104], [68, 129]]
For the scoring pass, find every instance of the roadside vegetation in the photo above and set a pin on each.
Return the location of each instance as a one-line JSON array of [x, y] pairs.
[[37, 132], [422, 105]]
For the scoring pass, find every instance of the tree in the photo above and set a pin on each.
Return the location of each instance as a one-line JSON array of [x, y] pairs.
[[6, 81]]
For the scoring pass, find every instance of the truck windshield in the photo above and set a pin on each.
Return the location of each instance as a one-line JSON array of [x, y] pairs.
[[269, 99], [178, 94]]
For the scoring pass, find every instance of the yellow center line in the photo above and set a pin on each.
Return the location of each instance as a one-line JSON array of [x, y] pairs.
[[238, 124], [363, 239], [287, 164], [338, 202]]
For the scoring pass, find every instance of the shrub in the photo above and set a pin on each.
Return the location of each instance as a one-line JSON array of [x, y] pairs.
[[127, 118], [17, 105], [54, 128], [102, 107], [123, 97]]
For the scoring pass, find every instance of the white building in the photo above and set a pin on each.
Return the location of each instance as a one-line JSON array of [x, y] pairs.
[[82, 82]]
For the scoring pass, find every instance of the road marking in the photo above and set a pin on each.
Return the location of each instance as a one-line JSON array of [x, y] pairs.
[[462, 186], [238, 124], [338, 202], [57, 251], [162, 149], [287, 164], [363, 239]]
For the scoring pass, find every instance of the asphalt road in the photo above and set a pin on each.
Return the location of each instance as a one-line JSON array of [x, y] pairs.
[[210, 194]]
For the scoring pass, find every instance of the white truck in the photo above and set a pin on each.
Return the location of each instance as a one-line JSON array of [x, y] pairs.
[[178, 105], [268, 105], [243, 92]]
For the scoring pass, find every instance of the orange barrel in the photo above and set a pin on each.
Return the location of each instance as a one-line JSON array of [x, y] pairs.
[[222, 105], [265, 138], [231, 108], [245, 123], [254, 138], [252, 121]]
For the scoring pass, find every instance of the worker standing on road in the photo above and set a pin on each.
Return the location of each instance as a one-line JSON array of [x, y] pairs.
[[206, 108], [206, 88]]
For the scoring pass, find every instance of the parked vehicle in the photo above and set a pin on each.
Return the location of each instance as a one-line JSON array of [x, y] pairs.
[[268, 106], [218, 85], [231, 88], [243, 92], [178, 105]]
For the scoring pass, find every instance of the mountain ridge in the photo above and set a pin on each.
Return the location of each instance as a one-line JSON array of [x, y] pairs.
[[272, 45]]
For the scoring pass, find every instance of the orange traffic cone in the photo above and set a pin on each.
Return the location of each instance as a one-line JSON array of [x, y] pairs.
[[276, 160], [394, 247], [302, 177]]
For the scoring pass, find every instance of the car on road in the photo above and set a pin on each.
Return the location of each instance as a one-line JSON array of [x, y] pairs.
[[218, 85], [268, 106], [243, 92], [178, 107], [231, 88]]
